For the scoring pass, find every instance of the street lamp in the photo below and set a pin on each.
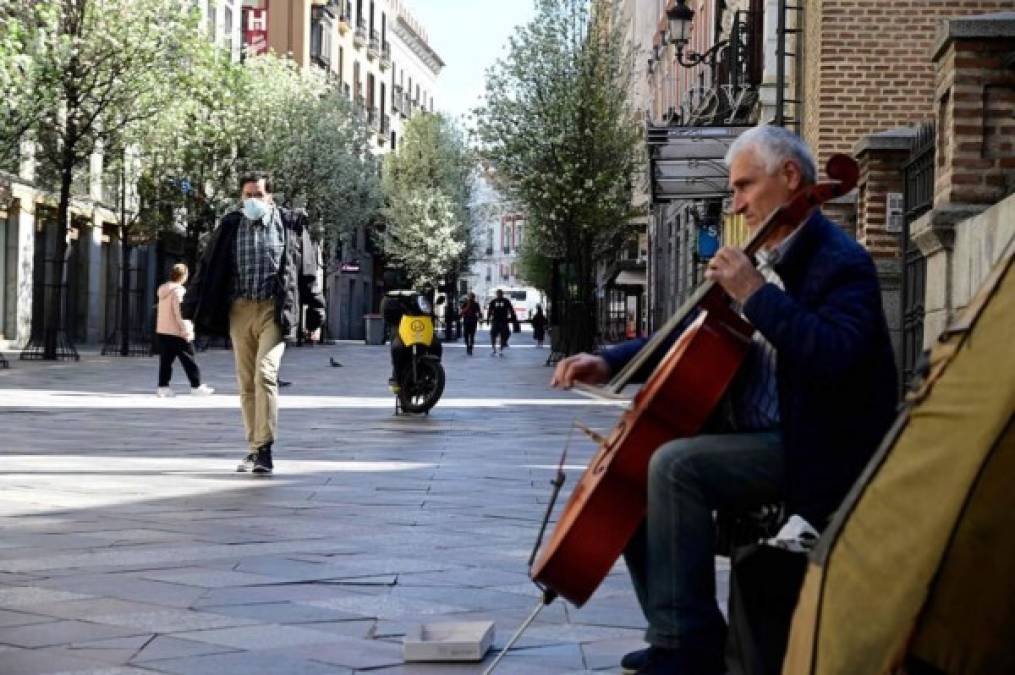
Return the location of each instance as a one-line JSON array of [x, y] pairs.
[[680, 16]]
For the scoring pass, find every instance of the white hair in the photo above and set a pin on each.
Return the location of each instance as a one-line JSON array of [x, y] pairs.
[[774, 146]]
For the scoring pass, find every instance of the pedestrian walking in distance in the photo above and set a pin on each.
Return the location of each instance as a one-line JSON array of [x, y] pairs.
[[257, 271], [175, 336], [539, 326], [471, 314], [500, 315]]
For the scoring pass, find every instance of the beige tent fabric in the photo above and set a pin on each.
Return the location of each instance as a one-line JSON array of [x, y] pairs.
[[968, 625], [858, 611]]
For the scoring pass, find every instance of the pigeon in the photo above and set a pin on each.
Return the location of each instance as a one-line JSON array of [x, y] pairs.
[[334, 363]]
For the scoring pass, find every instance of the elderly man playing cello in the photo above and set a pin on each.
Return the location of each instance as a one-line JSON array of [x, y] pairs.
[[806, 412]]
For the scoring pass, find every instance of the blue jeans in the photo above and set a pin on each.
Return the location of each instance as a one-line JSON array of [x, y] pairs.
[[671, 558]]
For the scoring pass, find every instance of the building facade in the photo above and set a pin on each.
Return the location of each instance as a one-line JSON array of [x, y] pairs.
[[379, 56], [500, 231], [845, 74]]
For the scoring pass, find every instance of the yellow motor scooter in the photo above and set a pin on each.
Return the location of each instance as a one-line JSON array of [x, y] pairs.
[[418, 379]]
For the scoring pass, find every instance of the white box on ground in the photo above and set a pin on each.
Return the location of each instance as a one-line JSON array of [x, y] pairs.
[[461, 641]]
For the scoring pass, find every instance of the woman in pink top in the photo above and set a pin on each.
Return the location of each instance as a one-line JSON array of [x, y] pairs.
[[176, 336]]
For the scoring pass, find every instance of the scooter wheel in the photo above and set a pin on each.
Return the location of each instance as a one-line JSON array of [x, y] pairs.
[[420, 394]]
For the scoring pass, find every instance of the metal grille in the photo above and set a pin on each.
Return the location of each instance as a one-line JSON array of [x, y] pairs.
[[918, 175]]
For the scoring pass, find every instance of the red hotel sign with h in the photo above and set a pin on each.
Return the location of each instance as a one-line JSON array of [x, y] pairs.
[[255, 30]]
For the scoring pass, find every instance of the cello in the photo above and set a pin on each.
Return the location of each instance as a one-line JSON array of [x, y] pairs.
[[609, 502]]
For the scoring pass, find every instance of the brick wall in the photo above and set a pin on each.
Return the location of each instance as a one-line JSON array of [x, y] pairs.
[[975, 98], [880, 176], [868, 65]]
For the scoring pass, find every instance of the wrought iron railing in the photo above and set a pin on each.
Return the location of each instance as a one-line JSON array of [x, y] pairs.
[[918, 198], [374, 47]]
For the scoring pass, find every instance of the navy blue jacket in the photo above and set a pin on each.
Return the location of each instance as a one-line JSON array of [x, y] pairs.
[[835, 365]]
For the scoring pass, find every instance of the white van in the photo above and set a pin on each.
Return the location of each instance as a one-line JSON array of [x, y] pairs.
[[523, 298]]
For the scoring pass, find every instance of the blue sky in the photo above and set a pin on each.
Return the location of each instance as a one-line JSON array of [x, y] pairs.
[[469, 35]]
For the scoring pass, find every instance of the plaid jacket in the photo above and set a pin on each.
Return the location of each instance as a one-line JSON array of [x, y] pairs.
[[211, 290]]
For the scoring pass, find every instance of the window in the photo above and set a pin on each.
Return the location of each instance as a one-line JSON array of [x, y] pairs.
[[227, 27], [211, 20]]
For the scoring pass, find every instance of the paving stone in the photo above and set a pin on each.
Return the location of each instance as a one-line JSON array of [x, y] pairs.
[[165, 647], [58, 632], [172, 620], [8, 618], [210, 578], [40, 662], [283, 612], [264, 636], [356, 654], [27, 596], [248, 663]]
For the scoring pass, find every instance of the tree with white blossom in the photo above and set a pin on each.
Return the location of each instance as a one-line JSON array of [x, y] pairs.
[[557, 127], [427, 184]]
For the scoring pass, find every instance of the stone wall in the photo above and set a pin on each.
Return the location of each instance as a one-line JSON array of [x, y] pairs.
[[973, 219]]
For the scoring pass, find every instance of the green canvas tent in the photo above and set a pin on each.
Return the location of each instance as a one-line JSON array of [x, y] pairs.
[[917, 572]]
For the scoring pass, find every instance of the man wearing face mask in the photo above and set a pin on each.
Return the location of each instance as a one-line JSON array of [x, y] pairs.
[[257, 271]]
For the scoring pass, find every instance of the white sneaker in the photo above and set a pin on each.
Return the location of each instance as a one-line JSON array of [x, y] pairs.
[[202, 390], [164, 392]]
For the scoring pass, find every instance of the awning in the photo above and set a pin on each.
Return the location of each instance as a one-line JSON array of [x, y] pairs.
[[687, 162], [630, 278]]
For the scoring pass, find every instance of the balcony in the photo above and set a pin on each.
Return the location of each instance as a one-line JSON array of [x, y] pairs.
[[384, 129], [374, 48], [344, 17], [385, 56], [373, 119], [359, 38], [396, 99]]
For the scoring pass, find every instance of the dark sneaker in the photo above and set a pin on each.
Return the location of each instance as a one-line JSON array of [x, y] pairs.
[[662, 661], [247, 464], [632, 662], [263, 465]]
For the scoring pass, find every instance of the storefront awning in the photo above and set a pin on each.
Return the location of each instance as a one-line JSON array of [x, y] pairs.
[[687, 162], [630, 278]]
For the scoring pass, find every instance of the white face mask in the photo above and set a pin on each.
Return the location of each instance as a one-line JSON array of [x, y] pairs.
[[254, 209]]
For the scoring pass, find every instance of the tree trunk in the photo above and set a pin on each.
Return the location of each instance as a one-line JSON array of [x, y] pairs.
[[124, 295], [54, 274]]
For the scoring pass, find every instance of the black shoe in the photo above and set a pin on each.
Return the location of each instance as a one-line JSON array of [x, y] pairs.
[[633, 661], [663, 661], [248, 463], [263, 465]]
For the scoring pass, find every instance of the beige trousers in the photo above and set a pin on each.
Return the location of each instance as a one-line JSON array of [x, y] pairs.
[[257, 347]]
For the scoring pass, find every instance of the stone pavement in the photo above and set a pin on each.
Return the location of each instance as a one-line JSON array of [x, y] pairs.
[[129, 545]]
